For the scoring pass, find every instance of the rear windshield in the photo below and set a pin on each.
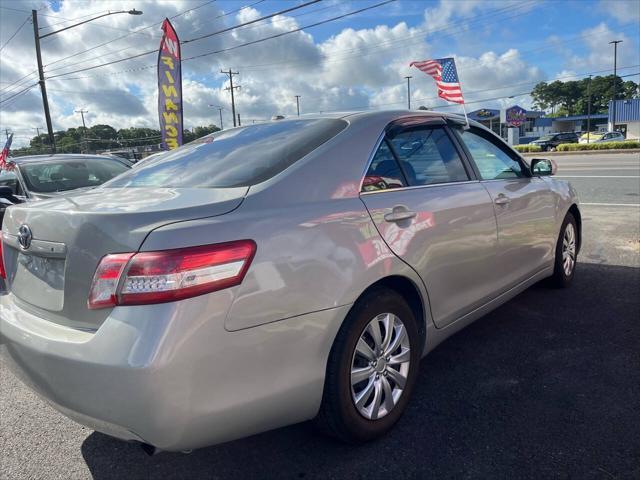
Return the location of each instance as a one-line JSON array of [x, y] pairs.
[[233, 158], [51, 176]]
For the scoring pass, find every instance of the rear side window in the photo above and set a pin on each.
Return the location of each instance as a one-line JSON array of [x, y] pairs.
[[384, 172], [428, 156], [234, 158], [414, 156]]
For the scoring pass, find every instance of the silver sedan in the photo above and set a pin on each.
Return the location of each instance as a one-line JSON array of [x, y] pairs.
[[276, 273]]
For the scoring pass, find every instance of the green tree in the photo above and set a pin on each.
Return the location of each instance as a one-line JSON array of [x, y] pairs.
[[571, 98]]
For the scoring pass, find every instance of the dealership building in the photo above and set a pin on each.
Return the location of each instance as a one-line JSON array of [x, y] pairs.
[[532, 124]]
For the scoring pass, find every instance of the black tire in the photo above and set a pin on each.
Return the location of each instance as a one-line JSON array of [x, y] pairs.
[[560, 278], [338, 415]]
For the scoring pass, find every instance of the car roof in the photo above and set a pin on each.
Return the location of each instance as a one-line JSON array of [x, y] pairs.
[[58, 157], [382, 115]]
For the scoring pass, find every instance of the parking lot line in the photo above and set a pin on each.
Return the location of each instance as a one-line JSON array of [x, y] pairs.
[[598, 176], [611, 204]]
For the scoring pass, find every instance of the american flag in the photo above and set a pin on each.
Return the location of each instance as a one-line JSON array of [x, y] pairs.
[[443, 71], [4, 154]]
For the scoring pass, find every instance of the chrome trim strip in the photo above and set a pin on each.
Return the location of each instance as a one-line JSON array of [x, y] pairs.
[[415, 187], [41, 248]]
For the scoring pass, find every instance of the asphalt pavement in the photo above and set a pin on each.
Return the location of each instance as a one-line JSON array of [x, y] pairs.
[[547, 386]]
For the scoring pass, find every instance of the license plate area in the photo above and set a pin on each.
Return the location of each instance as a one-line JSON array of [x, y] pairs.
[[39, 281]]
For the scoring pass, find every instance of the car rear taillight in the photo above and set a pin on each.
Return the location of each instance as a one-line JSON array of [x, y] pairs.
[[157, 277], [3, 273]]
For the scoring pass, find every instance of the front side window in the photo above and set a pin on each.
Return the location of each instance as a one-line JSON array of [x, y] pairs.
[[492, 161], [428, 156]]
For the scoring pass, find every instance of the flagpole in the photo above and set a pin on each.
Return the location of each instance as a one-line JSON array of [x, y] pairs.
[[464, 109]]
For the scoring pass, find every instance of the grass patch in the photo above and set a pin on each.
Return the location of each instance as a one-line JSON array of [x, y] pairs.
[[574, 147], [527, 148]]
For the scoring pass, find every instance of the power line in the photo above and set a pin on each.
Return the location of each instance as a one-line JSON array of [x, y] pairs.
[[15, 33], [127, 35], [266, 17], [235, 46], [149, 26], [284, 33], [18, 93], [142, 54], [256, 26], [11, 85], [339, 17], [18, 81], [73, 19], [380, 46], [58, 17]]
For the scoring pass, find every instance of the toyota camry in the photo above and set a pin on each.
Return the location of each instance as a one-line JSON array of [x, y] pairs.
[[276, 273]]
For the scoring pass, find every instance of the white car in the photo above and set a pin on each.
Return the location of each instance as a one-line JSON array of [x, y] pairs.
[[602, 137]]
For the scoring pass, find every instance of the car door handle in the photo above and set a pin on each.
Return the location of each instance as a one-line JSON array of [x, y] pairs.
[[502, 200], [399, 213]]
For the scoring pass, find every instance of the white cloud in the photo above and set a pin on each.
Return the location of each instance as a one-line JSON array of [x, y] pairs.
[[441, 15], [625, 11]]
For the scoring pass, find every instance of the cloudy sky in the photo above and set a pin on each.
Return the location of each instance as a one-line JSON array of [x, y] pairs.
[[502, 48]]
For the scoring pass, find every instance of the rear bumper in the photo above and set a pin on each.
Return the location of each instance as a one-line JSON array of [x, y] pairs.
[[170, 375]]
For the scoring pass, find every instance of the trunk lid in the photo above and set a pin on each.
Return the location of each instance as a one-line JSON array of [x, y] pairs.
[[70, 234]]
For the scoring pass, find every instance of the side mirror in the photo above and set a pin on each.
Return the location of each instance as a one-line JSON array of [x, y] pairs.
[[543, 167], [7, 194]]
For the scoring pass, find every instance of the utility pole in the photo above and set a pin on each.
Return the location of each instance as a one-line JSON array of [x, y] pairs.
[[239, 124], [84, 126], [408, 91], [43, 88], [615, 78], [298, 104], [230, 74], [589, 109]]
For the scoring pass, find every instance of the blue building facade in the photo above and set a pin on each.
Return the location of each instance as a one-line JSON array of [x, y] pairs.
[[627, 117]]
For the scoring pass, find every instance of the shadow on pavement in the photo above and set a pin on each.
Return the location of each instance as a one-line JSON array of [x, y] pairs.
[[546, 386]]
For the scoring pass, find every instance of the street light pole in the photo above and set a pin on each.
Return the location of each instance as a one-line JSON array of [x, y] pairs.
[[84, 126], [43, 88], [408, 92], [220, 111], [615, 78], [589, 109]]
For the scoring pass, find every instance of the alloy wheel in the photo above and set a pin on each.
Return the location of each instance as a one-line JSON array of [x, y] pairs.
[[569, 249], [380, 366]]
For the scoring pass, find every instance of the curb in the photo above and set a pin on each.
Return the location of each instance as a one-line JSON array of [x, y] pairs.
[[581, 152]]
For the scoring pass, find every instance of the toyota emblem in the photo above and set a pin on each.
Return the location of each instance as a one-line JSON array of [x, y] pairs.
[[24, 237]]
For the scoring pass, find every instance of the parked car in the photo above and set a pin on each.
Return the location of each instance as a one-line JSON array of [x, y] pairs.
[[602, 137], [275, 273], [44, 176], [552, 140]]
